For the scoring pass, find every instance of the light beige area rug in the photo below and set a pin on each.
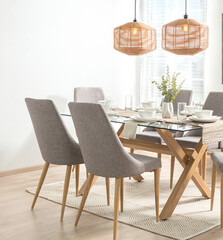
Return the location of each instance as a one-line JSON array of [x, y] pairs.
[[191, 217]]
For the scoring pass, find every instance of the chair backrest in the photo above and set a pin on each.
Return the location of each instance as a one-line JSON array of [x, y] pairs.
[[88, 94], [55, 143], [183, 96], [101, 148], [214, 101]]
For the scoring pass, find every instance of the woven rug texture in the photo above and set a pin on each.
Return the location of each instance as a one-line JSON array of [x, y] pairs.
[[191, 217]]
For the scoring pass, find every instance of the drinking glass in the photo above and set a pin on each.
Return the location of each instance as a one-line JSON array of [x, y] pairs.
[[181, 111], [128, 102]]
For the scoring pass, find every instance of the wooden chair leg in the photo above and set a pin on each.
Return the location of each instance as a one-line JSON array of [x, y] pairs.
[[73, 168], [116, 206], [65, 190], [77, 173], [42, 177], [222, 200], [213, 184], [204, 166], [172, 171], [122, 195], [221, 149], [159, 155], [84, 198], [86, 174], [157, 190], [107, 181]]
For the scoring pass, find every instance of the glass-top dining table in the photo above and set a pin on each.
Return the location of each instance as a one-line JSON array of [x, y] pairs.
[[188, 158]]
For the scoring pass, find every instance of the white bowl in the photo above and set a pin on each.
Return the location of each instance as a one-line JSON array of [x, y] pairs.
[[149, 105], [203, 113], [190, 109], [147, 113]]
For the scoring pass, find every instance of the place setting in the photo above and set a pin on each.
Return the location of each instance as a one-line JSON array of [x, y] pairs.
[[146, 113], [204, 116], [186, 114]]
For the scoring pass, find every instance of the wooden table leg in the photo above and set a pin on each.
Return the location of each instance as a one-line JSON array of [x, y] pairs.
[[183, 159], [188, 173], [204, 166], [120, 131]]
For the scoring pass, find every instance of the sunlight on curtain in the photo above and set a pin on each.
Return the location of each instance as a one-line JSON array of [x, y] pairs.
[[152, 66]]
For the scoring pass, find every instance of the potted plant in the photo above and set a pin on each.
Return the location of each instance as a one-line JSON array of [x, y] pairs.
[[169, 89]]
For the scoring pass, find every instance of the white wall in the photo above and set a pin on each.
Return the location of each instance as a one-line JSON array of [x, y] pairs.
[[48, 47], [213, 80]]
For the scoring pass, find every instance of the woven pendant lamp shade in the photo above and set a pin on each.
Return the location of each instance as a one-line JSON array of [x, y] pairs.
[[134, 38], [185, 37]]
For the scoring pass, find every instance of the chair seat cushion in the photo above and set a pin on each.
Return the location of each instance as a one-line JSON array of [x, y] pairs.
[[217, 157], [192, 141], [153, 136], [149, 136], [150, 163]]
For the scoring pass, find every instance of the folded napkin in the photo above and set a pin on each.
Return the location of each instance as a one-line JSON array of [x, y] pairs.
[[129, 130]]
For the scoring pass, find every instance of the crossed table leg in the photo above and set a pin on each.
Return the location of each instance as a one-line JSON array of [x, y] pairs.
[[189, 163]]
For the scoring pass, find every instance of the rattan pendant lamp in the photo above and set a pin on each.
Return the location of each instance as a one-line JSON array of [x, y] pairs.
[[185, 36], [134, 38]]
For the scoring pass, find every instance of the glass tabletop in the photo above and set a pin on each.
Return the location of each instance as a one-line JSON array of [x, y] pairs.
[[161, 125]]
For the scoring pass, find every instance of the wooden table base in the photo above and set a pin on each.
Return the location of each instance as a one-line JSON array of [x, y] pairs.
[[189, 160]]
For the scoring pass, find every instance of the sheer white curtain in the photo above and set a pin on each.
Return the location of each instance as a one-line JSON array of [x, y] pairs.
[[152, 66]]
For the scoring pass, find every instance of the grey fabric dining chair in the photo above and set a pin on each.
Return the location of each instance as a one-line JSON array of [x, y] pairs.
[[55, 143], [105, 156], [183, 96], [217, 158], [151, 135], [88, 94], [214, 101]]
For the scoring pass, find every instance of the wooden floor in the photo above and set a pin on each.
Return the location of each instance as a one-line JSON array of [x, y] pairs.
[[18, 222]]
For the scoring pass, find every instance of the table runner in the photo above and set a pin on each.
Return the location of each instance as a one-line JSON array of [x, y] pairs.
[[211, 132], [123, 113]]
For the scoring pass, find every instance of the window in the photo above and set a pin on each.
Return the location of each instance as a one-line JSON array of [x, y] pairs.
[[152, 66]]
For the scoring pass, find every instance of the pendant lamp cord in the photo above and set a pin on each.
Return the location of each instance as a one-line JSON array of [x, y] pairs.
[[135, 13], [185, 16]]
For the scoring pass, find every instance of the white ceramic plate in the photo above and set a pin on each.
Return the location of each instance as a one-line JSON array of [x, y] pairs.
[[139, 119], [205, 120]]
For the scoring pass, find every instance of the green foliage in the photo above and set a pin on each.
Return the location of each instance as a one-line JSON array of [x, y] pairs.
[[168, 86]]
